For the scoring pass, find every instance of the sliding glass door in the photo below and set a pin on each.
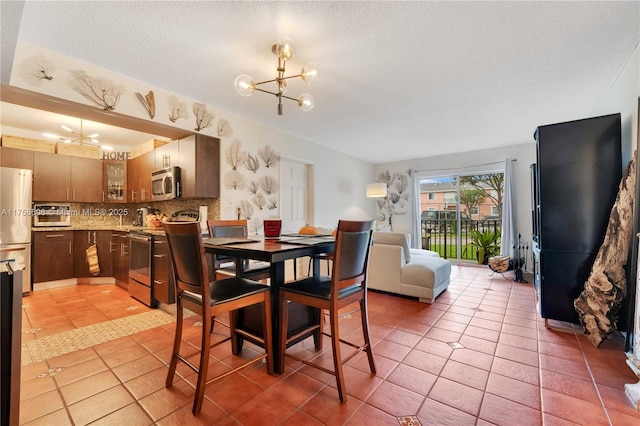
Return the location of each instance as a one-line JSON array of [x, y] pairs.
[[460, 215]]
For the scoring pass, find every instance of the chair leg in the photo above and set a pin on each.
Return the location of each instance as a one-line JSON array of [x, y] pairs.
[[337, 357], [267, 327], [317, 336], [283, 313], [203, 368], [365, 332], [236, 347], [177, 339]]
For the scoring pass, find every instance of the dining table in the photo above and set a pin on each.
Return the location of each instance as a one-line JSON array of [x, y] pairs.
[[276, 252]]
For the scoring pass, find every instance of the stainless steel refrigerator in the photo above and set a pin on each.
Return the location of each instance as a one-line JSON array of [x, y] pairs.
[[15, 220]]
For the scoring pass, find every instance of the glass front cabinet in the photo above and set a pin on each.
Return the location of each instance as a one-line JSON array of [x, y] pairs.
[[114, 181]]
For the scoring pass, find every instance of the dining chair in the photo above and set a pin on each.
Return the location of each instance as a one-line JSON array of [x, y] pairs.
[[346, 285], [224, 266], [195, 293]]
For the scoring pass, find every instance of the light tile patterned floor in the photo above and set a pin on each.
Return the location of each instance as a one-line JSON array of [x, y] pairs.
[[479, 355]]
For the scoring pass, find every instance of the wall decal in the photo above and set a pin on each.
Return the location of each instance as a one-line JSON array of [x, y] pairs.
[[101, 91], [397, 199], [36, 68], [234, 180], [269, 156], [149, 102], [260, 201], [253, 187], [252, 163], [268, 184], [273, 203], [203, 116], [224, 128], [234, 154], [178, 109], [246, 209]]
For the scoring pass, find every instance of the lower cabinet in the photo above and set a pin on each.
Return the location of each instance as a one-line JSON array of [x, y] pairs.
[[163, 288], [119, 249], [82, 240], [53, 256]]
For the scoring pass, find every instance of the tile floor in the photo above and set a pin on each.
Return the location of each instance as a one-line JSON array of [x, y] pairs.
[[478, 356]]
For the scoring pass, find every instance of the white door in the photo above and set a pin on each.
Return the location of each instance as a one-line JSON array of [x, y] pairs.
[[294, 200]]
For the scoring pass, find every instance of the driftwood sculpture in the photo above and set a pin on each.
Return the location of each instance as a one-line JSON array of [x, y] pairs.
[[149, 102], [606, 287]]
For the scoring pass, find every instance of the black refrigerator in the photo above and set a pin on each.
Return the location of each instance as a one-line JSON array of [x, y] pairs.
[[577, 173]]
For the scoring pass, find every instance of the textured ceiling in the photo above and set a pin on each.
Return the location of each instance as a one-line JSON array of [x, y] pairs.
[[398, 80]]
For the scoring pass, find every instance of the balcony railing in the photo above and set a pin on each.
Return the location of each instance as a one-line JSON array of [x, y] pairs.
[[440, 235]]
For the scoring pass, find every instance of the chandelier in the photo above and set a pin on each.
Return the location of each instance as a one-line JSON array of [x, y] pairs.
[[76, 138], [284, 50]]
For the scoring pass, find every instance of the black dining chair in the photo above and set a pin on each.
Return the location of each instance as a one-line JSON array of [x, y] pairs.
[[346, 285], [195, 293], [224, 266]]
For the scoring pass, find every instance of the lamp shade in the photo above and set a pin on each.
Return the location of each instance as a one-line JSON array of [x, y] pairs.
[[377, 189]]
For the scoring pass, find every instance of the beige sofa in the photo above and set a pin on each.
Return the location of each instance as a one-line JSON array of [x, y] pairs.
[[397, 268]]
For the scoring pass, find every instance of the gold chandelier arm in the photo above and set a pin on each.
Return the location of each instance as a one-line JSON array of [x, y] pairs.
[[266, 91]]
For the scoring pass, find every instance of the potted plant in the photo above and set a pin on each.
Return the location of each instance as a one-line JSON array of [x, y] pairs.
[[487, 244]]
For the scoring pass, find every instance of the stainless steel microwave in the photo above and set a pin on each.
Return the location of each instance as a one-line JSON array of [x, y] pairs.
[[165, 184], [51, 215]]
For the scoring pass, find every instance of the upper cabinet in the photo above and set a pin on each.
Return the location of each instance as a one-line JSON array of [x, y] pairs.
[[16, 158], [139, 177], [66, 178], [114, 181], [200, 166], [167, 155]]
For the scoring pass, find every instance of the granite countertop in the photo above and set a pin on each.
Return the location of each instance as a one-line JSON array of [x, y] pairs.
[[90, 227]]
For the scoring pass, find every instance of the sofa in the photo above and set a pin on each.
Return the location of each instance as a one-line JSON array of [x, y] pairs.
[[396, 268]]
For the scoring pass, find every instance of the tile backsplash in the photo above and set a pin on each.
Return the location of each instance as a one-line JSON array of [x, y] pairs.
[[112, 214]]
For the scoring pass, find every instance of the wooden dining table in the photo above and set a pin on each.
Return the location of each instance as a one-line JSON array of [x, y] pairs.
[[276, 252]]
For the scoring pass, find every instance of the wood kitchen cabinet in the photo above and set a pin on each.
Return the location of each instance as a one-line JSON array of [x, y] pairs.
[[139, 177], [82, 240], [16, 158], [167, 155], [66, 178], [119, 249], [163, 289], [114, 181], [200, 166], [53, 255]]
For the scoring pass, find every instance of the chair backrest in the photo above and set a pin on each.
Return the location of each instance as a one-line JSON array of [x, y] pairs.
[[187, 255], [351, 255], [227, 228]]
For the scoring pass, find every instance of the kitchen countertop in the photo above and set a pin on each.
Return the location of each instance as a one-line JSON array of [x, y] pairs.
[[123, 228]]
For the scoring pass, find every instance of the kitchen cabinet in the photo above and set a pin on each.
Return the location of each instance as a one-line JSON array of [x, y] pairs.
[[53, 256], [114, 181], [167, 155], [139, 177], [200, 166], [119, 248], [66, 178], [82, 240], [163, 289], [16, 158]]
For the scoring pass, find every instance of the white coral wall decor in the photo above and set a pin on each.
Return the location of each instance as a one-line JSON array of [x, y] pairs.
[[204, 117], [101, 91], [224, 128], [36, 69], [177, 109]]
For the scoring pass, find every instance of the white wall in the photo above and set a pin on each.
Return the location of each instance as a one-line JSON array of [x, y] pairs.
[[338, 181], [525, 154]]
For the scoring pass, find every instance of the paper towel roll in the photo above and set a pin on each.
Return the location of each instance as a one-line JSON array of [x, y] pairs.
[[203, 219]]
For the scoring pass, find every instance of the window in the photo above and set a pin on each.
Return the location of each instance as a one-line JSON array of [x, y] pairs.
[[450, 197], [494, 211], [474, 210], [431, 196]]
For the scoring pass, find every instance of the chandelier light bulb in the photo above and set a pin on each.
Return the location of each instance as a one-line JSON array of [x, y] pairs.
[[309, 73], [306, 102], [284, 49], [245, 85]]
